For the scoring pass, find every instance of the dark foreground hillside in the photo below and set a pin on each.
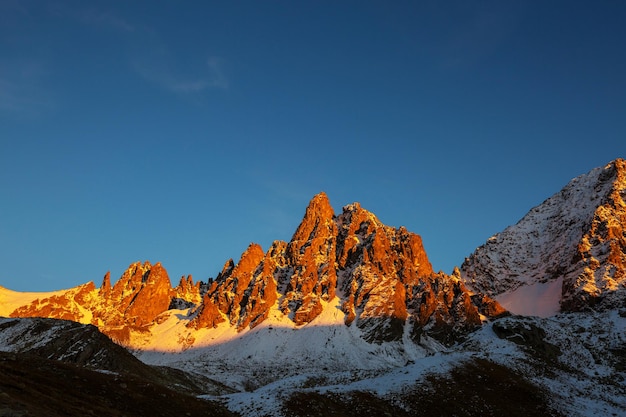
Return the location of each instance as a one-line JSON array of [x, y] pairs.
[[34, 386]]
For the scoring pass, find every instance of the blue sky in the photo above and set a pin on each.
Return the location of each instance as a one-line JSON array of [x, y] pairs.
[[180, 132]]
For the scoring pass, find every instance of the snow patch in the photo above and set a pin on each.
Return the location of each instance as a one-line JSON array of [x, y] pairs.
[[539, 299]]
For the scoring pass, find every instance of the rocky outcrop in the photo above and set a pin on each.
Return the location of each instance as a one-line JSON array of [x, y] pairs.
[[576, 236], [600, 257], [526, 333], [186, 294], [208, 315], [148, 298], [242, 293], [142, 293]]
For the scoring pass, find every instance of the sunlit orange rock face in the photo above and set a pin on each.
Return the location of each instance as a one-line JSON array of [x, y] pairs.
[[236, 281], [242, 293], [209, 315], [304, 268], [378, 265], [389, 283], [385, 284], [187, 293], [65, 306], [142, 293], [382, 274], [601, 252], [311, 255]]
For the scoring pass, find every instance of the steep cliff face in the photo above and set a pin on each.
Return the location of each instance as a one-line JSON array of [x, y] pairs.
[[142, 294], [601, 253], [381, 268], [574, 244], [311, 257]]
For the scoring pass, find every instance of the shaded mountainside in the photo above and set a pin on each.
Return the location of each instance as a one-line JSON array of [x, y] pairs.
[[573, 245], [57, 367], [86, 347], [381, 274], [69, 342], [32, 385]]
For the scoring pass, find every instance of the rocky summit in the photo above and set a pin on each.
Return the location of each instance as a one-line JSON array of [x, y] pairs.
[[381, 275]]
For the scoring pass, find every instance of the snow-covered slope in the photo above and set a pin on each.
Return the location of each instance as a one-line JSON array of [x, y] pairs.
[[566, 253], [575, 361], [569, 365], [277, 349], [11, 300]]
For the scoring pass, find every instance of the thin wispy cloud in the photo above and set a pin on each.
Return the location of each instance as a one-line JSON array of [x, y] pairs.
[[93, 17], [216, 71], [21, 90], [149, 55], [160, 70], [25, 88], [154, 60]]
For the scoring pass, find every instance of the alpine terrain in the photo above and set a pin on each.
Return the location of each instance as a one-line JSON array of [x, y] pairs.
[[347, 318], [567, 254]]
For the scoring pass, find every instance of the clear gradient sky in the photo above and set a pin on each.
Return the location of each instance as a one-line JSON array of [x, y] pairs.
[[180, 132]]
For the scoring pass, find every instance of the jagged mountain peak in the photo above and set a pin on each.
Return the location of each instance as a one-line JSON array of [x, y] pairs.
[[378, 270], [318, 219], [249, 260], [378, 277], [355, 217], [319, 208], [568, 253], [321, 202]]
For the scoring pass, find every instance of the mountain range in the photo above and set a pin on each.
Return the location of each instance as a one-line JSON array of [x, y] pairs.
[[349, 315]]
